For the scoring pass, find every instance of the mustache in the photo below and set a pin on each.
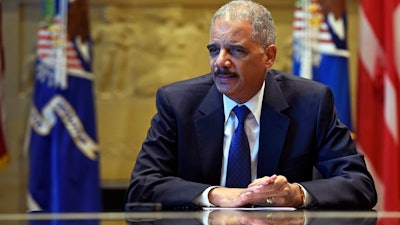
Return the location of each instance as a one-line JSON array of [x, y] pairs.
[[223, 70]]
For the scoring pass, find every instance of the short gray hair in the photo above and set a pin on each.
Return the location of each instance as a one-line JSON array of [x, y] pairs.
[[259, 17]]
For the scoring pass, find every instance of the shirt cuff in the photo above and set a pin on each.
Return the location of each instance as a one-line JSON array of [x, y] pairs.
[[202, 198], [307, 197]]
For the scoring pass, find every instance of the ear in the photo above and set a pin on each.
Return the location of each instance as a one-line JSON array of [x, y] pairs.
[[270, 54]]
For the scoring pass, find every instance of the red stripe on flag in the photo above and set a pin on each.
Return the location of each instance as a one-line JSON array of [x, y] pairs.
[[4, 157], [378, 130]]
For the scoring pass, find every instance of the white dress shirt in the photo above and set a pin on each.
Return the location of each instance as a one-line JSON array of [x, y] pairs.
[[252, 128]]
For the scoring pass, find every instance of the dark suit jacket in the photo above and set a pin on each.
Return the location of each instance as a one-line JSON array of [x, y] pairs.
[[182, 154]]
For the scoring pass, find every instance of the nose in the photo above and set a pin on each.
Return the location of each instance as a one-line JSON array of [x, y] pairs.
[[223, 59]]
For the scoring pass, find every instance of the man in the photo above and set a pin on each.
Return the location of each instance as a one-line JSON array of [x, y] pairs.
[[291, 129]]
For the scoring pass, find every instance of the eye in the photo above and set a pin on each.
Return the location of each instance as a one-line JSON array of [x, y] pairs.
[[213, 51], [238, 52]]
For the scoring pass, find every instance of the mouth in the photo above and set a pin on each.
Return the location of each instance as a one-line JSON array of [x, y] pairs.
[[225, 77]]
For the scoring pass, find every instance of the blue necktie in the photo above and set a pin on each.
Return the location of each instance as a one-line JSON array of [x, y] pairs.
[[239, 165]]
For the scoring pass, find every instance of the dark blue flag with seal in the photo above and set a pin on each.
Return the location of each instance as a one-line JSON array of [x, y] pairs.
[[63, 149], [320, 49]]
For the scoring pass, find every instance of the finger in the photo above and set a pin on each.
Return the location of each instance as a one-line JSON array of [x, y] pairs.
[[267, 188], [263, 181], [276, 196], [280, 183], [253, 198]]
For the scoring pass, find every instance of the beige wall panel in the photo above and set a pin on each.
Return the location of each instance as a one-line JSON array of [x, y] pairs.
[[138, 46]]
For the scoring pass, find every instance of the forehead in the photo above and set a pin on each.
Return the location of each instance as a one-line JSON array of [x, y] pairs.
[[226, 29]]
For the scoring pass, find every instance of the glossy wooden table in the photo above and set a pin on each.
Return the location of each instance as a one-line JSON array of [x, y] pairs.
[[214, 217]]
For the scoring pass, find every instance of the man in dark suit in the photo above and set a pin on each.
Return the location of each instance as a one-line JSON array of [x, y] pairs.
[[292, 128]]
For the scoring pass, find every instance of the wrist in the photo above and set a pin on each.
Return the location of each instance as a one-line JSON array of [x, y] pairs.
[[302, 198], [213, 196]]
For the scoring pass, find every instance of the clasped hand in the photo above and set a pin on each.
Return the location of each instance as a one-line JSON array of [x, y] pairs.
[[275, 188]]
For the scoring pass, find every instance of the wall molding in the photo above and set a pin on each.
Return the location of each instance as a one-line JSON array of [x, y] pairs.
[[150, 3]]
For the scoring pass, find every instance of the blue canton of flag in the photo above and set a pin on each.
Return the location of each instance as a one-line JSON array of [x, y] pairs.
[[63, 151], [320, 51]]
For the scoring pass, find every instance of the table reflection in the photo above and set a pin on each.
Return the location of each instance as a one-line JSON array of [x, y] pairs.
[[65, 222], [248, 217], [212, 217], [232, 217]]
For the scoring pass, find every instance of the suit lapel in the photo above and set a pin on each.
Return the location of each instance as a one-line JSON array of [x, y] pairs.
[[209, 124], [273, 129]]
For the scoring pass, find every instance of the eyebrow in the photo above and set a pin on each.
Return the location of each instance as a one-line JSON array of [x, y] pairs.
[[211, 45], [228, 45]]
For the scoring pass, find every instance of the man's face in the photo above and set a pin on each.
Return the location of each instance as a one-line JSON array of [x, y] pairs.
[[238, 62]]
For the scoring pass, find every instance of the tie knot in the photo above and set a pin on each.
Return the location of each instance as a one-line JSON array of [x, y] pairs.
[[241, 112]]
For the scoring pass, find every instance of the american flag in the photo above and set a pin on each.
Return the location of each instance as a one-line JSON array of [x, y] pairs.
[[47, 48], [64, 54], [378, 97]]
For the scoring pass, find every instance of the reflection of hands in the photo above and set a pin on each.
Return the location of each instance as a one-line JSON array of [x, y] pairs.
[[255, 217], [277, 187]]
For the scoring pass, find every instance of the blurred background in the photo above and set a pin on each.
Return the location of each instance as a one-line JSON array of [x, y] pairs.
[[138, 46]]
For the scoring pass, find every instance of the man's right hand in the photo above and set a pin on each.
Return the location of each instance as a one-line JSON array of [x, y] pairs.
[[226, 197]]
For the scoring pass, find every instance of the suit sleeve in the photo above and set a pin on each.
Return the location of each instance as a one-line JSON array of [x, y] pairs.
[[154, 177], [347, 183]]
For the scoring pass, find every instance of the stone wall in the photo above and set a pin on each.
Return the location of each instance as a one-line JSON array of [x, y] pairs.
[[138, 46], [138, 49]]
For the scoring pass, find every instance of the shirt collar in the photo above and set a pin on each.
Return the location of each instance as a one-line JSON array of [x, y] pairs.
[[254, 104]]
